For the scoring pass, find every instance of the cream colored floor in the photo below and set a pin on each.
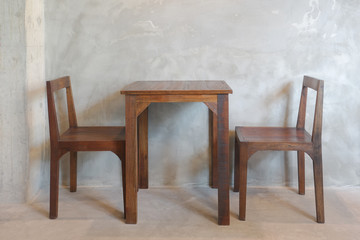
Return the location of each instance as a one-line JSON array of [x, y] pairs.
[[184, 213]]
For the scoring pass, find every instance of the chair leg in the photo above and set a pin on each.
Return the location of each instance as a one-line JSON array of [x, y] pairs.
[[73, 171], [236, 165], [124, 185], [301, 172], [54, 185], [318, 183], [121, 155], [123, 173], [243, 180]]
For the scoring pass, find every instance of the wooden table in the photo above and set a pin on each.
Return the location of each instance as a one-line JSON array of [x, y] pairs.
[[138, 97]]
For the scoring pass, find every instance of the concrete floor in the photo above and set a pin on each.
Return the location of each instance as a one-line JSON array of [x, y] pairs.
[[184, 213]]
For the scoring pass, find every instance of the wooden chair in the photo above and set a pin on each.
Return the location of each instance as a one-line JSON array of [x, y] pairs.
[[77, 139], [249, 140]]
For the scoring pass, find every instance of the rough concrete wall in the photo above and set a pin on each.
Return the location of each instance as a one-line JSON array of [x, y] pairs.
[[261, 48], [13, 130], [35, 102]]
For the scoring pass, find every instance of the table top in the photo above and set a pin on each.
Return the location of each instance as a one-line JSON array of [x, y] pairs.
[[177, 87]]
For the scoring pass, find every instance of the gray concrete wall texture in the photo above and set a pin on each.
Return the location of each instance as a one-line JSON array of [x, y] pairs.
[[261, 48], [13, 129]]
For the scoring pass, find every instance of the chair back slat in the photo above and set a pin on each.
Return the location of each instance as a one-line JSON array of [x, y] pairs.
[[71, 107], [318, 86], [59, 83], [312, 83], [318, 118], [53, 86], [302, 109]]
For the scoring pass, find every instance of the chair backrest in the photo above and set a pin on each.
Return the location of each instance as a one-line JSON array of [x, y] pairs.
[[52, 86], [318, 86]]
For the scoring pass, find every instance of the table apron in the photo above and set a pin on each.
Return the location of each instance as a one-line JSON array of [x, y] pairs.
[[176, 98]]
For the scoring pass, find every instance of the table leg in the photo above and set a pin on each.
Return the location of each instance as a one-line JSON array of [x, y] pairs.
[[223, 160], [143, 149], [213, 136], [131, 159]]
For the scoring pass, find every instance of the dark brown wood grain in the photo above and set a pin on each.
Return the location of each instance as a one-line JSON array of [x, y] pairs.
[[139, 95], [177, 87], [214, 141], [73, 171], [76, 139], [143, 149], [249, 140], [223, 160], [169, 97], [301, 172], [132, 159]]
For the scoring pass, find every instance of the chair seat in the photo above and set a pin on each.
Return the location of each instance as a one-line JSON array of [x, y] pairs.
[[92, 134], [278, 135], [92, 138]]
